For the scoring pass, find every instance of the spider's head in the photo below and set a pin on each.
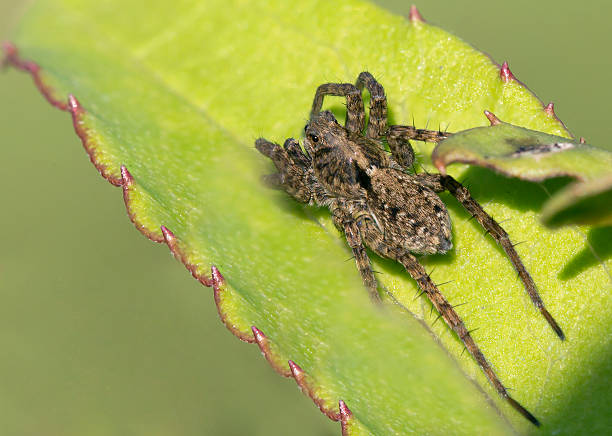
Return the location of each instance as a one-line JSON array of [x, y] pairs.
[[323, 131], [341, 161]]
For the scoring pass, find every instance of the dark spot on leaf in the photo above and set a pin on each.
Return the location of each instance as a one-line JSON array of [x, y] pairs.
[[528, 147]]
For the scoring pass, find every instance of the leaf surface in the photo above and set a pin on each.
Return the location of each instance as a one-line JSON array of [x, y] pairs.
[[177, 92]]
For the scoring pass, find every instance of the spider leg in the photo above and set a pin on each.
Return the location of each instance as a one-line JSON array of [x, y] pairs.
[[353, 237], [355, 114], [440, 183], [454, 321], [398, 138], [410, 132], [400, 147], [293, 169], [432, 181], [377, 124]]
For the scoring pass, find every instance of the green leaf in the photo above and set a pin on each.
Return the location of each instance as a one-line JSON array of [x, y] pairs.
[[536, 156], [177, 92], [581, 203]]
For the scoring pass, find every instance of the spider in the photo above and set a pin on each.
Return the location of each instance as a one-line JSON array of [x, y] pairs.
[[377, 203]]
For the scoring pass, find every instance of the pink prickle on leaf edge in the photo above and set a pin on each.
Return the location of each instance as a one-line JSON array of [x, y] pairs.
[[129, 182], [302, 381], [346, 417], [505, 74], [414, 15], [492, 118], [264, 345]]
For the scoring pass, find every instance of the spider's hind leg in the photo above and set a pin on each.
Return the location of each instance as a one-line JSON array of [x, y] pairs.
[[461, 193], [454, 321], [440, 183]]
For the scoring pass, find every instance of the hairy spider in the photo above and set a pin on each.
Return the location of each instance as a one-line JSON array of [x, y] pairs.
[[378, 204]]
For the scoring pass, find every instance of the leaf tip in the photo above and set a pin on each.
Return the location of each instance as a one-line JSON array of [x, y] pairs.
[[11, 57], [9, 48], [414, 15], [492, 118], [505, 74], [9, 51]]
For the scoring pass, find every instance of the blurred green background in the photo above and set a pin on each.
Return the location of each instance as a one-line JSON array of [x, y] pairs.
[[103, 333]]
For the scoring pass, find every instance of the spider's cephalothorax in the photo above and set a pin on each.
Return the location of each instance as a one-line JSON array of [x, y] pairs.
[[378, 204], [396, 212]]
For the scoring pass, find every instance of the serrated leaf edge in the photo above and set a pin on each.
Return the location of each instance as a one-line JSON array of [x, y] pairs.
[[216, 280]]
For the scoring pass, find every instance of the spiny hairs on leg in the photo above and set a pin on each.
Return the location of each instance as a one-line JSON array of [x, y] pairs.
[[440, 183], [293, 169], [411, 132], [353, 237], [398, 134], [398, 138], [296, 179], [461, 193], [377, 123], [355, 113], [454, 321]]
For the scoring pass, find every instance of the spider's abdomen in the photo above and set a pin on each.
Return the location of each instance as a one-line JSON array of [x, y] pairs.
[[411, 216]]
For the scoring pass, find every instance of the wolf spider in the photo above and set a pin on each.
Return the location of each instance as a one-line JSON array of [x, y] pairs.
[[378, 204]]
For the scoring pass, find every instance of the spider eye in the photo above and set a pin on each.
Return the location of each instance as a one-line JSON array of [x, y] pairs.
[[313, 138], [305, 127]]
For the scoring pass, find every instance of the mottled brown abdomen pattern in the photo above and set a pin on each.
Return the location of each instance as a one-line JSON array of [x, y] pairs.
[[411, 216]]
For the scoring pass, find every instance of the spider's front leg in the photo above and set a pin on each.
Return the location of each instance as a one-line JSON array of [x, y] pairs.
[[355, 114], [294, 169], [440, 183], [377, 124]]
